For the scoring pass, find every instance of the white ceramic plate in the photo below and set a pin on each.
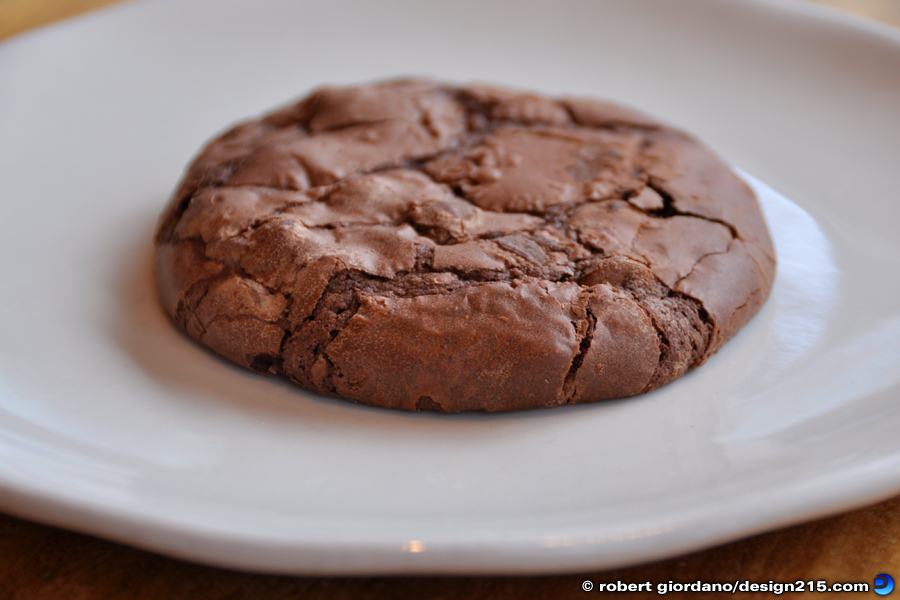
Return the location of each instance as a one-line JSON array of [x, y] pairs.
[[114, 423]]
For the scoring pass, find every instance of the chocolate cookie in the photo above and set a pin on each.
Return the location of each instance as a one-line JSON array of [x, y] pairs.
[[426, 247]]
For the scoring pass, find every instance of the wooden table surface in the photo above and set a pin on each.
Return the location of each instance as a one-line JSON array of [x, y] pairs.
[[38, 562]]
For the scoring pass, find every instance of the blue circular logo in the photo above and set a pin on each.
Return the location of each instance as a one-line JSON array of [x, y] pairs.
[[884, 584]]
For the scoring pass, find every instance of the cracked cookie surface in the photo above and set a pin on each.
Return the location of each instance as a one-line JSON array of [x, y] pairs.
[[413, 245]]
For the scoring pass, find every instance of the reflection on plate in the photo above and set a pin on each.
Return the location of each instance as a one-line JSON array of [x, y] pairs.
[[113, 422]]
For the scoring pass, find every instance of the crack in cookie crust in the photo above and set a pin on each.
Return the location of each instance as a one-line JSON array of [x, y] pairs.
[[419, 246]]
